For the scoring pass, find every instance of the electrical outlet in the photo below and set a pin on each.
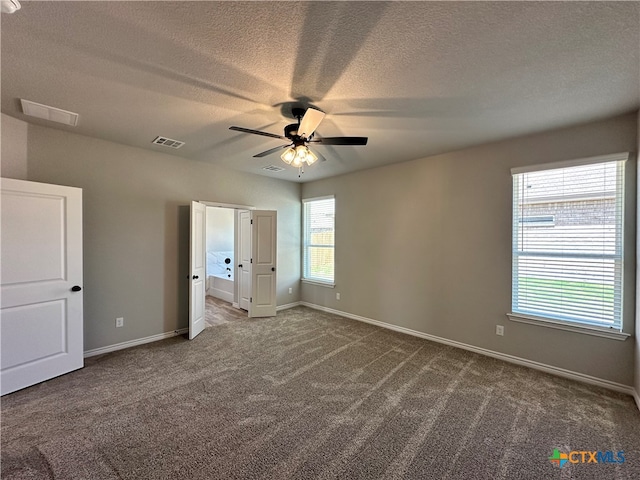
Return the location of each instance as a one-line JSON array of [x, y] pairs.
[[499, 330], [337, 296], [290, 290], [119, 322]]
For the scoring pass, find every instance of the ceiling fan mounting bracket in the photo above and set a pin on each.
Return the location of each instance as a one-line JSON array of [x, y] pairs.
[[298, 112]]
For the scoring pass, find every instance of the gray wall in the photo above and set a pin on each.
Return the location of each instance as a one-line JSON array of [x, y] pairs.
[[136, 226], [14, 148], [426, 245]]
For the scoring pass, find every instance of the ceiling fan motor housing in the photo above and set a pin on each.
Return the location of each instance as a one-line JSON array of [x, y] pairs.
[[291, 132]]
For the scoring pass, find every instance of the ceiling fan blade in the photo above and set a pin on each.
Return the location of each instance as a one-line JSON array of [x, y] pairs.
[[310, 122], [270, 151], [341, 140], [257, 132]]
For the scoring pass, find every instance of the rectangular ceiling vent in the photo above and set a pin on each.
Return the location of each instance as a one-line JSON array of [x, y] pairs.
[[46, 112], [273, 168], [168, 142]]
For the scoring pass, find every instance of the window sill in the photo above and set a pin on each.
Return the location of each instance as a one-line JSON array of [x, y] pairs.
[[570, 327], [319, 283]]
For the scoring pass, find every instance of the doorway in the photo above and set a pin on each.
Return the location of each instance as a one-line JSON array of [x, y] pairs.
[[222, 282], [255, 239]]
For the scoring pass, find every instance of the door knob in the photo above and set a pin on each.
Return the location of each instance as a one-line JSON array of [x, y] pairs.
[[76, 288], [273, 269], [240, 266], [195, 277]]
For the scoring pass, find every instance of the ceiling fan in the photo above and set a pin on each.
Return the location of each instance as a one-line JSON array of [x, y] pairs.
[[301, 134]]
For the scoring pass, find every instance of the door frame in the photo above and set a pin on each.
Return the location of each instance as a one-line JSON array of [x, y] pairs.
[[226, 205]]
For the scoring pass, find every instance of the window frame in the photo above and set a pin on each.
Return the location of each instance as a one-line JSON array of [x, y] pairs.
[[306, 245], [611, 332]]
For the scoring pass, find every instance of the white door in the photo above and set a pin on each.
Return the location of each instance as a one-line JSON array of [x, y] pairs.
[[244, 263], [197, 257], [41, 318], [263, 266]]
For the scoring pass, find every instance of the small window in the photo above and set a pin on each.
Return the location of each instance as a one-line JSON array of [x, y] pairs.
[[568, 242], [319, 240]]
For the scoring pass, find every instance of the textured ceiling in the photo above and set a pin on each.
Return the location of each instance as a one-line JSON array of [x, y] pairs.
[[417, 78]]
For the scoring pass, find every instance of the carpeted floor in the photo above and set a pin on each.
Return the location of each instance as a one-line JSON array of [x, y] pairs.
[[218, 312], [308, 395]]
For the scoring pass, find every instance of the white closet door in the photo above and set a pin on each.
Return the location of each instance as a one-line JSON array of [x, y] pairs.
[[264, 255], [41, 319]]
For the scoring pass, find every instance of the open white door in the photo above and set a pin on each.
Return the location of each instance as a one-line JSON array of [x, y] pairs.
[[263, 264], [197, 269], [41, 319], [244, 264]]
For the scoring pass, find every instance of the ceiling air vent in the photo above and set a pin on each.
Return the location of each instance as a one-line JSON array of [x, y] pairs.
[[46, 112], [168, 142], [273, 168]]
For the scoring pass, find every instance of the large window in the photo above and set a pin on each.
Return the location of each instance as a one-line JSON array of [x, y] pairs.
[[319, 239], [568, 242]]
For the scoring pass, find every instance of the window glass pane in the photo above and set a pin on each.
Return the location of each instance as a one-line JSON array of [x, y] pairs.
[[567, 243], [319, 240], [321, 263]]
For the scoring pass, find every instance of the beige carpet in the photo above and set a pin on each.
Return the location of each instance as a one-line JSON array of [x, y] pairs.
[[308, 395], [218, 312]]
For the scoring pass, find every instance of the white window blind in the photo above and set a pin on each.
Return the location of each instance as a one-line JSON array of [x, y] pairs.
[[319, 239], [568, 243]]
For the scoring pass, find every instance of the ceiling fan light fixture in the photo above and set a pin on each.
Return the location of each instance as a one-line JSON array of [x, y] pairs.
[[301, 153], [288, 155], [298, 156], [311, 157]]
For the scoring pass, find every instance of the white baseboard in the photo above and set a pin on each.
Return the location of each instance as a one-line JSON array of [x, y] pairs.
[[288, 305], [161, 336], [221, 294], [133, 343], [636, 397], [561, 372]]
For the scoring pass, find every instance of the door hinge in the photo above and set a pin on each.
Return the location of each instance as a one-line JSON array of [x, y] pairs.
[[251, 222], [250, 299], [252, 260]]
